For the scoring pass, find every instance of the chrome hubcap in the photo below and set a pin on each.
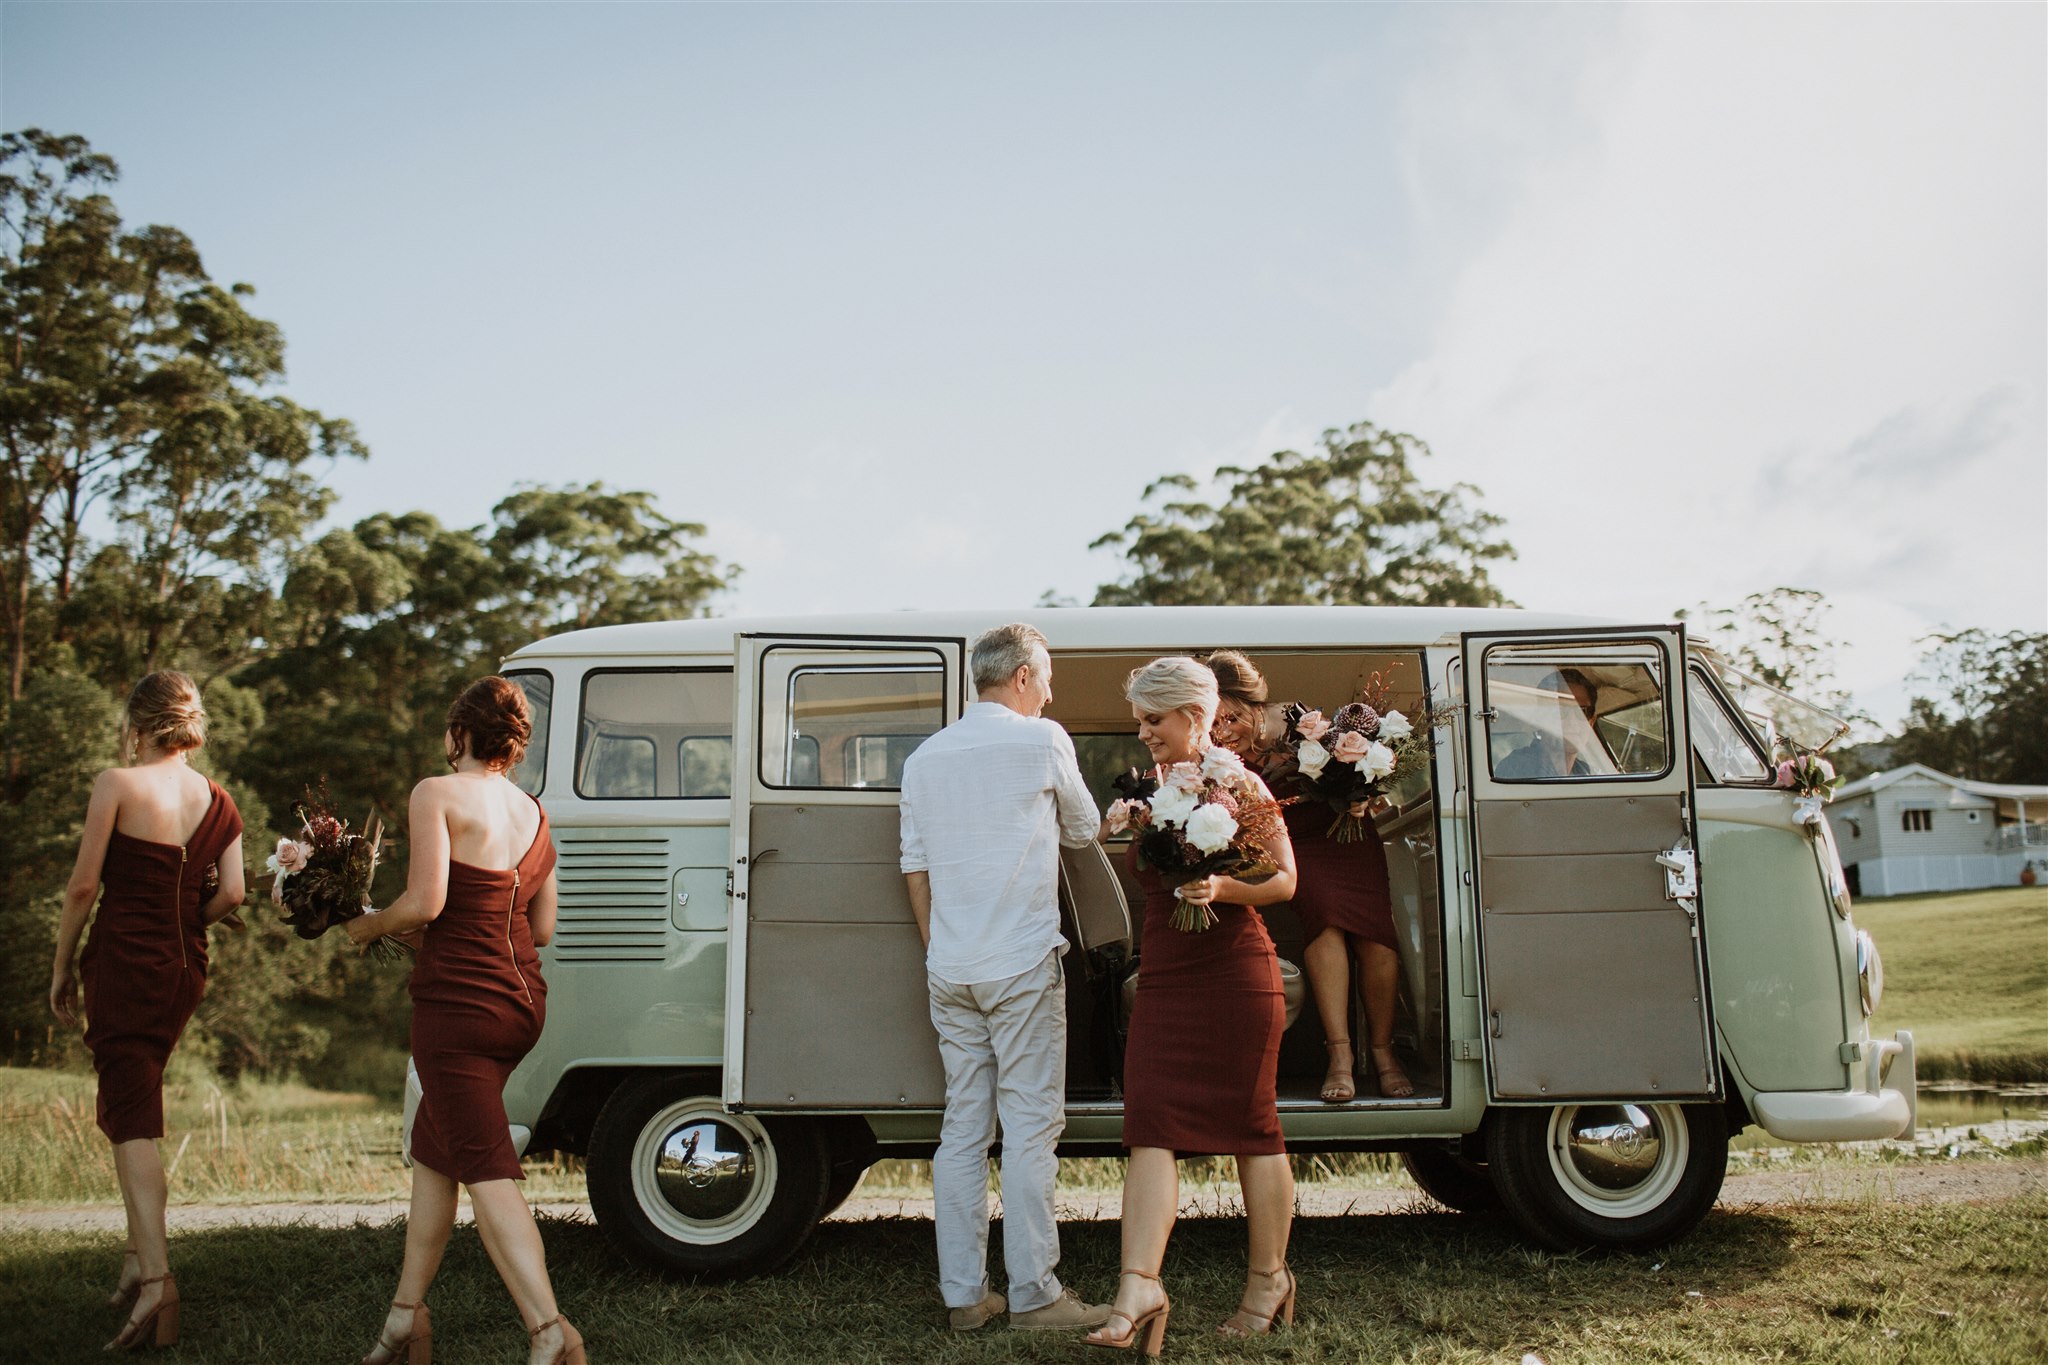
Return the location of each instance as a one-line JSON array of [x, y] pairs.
[[705, 1170], [1614, 1147]]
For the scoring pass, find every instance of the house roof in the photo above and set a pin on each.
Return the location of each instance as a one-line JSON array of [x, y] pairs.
[[1991, 791]]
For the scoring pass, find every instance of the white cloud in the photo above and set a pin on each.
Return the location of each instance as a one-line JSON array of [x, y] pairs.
[[1767, 308]]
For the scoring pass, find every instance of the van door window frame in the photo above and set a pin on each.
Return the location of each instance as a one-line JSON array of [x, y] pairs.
[[582, 710]]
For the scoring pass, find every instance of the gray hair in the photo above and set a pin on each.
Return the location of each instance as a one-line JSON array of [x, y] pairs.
[[999, 653], [1174, 683]]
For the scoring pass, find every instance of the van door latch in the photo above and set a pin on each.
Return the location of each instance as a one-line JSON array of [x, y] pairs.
[[1681, 872]]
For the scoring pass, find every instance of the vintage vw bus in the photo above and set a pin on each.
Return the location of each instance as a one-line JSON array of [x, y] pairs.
[[1608, 967]]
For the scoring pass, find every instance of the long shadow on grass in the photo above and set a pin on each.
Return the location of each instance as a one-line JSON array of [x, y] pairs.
[[1387, 1286]]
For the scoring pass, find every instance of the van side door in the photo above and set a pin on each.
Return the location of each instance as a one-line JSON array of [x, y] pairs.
[[1592, 965], [826, 1005]]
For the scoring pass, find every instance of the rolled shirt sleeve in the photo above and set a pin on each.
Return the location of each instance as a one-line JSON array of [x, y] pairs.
[[911, 845]]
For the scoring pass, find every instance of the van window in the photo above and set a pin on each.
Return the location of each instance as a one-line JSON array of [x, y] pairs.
[[1599, 712], [1105, 758], [655, 734], [532, 771], [854, 727], [1718, 739]]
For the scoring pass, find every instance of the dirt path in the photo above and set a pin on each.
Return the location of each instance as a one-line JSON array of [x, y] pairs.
[[1922, 1183]]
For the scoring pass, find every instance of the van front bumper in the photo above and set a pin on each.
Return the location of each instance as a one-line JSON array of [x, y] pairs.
[[1887, 1105]]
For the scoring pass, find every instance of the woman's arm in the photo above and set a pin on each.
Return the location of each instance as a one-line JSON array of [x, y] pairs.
[[231, 891], [80, 893], [426, 871], [540, 912]]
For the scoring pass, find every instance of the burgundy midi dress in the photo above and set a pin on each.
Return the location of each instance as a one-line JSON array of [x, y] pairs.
[[144, 968], [478, 1004], [1339, 885], [1201, 1067]]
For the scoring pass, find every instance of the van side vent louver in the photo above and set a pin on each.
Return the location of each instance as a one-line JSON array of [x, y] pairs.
[[613, 890]]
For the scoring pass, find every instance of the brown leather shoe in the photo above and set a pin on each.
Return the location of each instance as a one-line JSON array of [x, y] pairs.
[[1067, 1312], [992, 1305]]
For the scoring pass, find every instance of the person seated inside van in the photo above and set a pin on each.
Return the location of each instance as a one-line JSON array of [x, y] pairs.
[[1565, 752]]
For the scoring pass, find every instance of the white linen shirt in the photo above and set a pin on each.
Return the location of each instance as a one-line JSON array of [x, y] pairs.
[[985, 803]]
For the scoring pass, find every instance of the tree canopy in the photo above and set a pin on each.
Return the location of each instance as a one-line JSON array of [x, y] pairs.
[[1350, 524], [1980, 708]]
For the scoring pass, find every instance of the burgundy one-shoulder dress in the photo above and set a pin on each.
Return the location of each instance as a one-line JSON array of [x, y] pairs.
[[478, 1004], [1202, 1065], [1339, 885], [144, 967]]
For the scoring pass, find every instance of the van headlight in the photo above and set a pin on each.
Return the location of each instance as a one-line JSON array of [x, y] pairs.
[[1869, 972]]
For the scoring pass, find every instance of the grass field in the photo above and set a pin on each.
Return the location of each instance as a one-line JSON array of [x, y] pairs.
[[1967, 972], [1875, 1282]]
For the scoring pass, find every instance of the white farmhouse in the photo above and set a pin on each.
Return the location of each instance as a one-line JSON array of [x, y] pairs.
[[1913, 829]]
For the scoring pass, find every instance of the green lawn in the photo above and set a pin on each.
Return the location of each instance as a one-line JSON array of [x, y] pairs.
[[1967, 972], [1853, 1282]]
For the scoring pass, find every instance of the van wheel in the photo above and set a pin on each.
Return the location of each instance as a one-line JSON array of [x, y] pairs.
[[1452, 1180], [1608, 1176], [682, 1186]]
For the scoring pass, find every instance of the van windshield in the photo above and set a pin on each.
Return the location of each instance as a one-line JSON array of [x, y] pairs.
[[1779, 716]]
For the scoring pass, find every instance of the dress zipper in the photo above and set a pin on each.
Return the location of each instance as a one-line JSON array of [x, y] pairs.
[[511, 906]]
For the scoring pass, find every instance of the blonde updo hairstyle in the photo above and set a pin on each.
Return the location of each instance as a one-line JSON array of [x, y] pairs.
[[163, 711], [1175, 683]]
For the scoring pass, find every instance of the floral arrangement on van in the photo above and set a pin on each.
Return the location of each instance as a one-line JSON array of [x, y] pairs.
[[1198, 819], [322, 878], [1354, 756], [1809, 777]]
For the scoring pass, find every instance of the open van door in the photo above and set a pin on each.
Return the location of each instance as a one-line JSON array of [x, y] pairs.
[[1592, 961], [825, 1005]]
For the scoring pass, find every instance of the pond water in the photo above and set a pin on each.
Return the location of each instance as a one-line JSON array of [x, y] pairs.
[[1946, 1104]]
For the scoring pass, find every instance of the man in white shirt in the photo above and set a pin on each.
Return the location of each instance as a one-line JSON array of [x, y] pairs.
[[986, 803]]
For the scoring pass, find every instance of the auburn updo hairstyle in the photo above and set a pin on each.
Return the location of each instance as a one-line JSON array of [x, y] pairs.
[[1237, 678], [164, 710], [490, 722]]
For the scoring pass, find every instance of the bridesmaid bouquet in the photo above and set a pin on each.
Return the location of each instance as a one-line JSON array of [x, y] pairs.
[[323, 877], [1353, 756], [1201, 819]]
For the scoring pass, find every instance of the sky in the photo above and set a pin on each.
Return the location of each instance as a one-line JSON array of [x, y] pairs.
[[909, 304]]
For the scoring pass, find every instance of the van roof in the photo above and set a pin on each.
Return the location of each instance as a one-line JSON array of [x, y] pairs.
[[1081, 628]]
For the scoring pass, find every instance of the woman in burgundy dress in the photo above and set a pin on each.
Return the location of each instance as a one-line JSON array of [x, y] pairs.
[[1203, 1057], [1346, 908], [479, 898], [162, 853]]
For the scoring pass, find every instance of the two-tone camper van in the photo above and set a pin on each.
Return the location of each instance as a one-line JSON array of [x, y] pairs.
[[1606, 971]]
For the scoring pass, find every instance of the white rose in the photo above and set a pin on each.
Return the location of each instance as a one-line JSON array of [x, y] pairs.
[[1312, 758], [1211, 829], [1172, 806], [1378, 760], [1394, 727], [1219, 764]]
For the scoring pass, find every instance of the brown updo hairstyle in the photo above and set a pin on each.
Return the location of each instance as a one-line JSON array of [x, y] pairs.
[[164, 710], [1236, 678], [490, 722]]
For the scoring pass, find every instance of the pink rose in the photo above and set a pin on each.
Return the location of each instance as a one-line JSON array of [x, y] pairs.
[[1119, 816], [1186, 777], [1312, 725], [1350, 747], [1788, 770]]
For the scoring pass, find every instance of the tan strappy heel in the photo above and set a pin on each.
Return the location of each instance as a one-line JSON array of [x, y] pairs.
[[1245, 1323], [124, 1293], [1152, 1323], [417, 1344], [1339, 1087], [572, 1342], [160, 1327], [1394, 1082]]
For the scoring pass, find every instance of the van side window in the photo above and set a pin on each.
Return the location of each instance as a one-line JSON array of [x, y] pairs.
[[655, 734], [1599, 713], [532, 771], [1718, 738], [854, 726]]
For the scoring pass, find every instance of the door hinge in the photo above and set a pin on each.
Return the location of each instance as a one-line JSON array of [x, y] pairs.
[[1467, 1050], [1850, 1053]]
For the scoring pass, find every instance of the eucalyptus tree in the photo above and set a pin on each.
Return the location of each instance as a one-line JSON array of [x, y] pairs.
[[1349, 523]]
